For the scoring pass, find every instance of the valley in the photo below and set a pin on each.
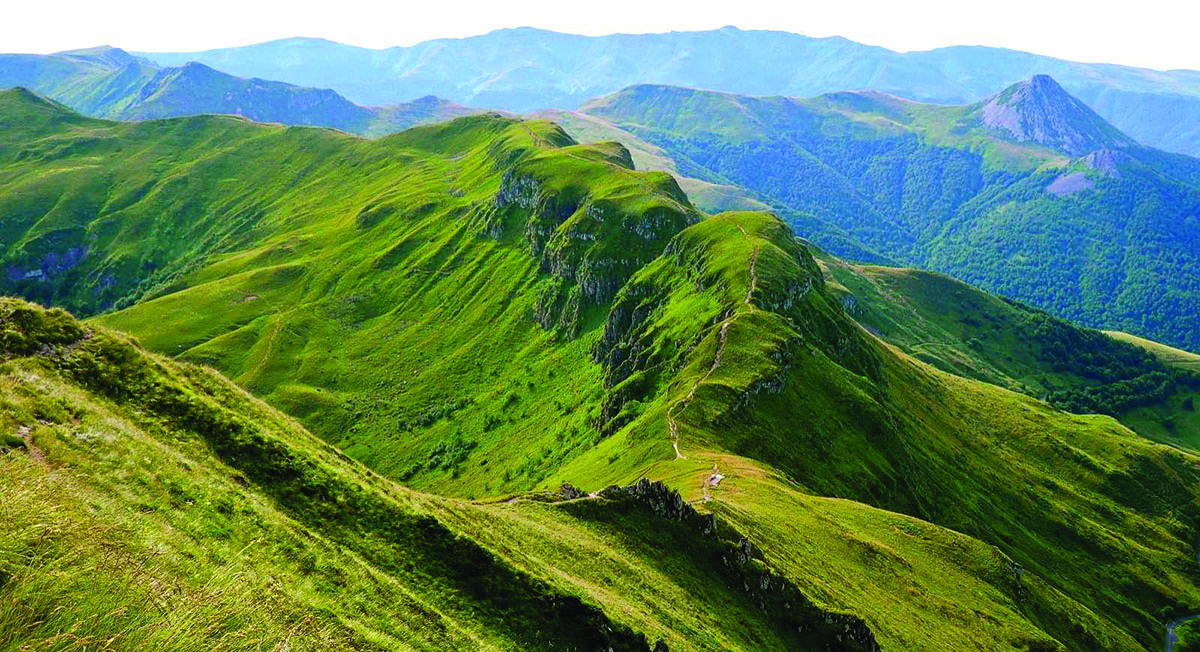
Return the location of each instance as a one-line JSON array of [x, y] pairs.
[[1023, 195], [694, 364], [483, 311]]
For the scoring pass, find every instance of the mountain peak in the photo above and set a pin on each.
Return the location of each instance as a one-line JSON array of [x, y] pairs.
[[22, 95], [1038, 110], [105, 54]]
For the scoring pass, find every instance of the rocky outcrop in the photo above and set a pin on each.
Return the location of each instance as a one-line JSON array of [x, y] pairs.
[[589, 243], [1039, 111], [1106, 162], [733, 559], [1069, 184], [50, 265]]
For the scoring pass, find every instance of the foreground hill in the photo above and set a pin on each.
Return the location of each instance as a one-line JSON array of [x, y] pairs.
[[110, 83], [148, 503], [1028, 194], [525, 69], [485, 307]]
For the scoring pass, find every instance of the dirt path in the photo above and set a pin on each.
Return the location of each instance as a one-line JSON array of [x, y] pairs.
[[753, 280], [25, 433], [722, 338], [672, 427]]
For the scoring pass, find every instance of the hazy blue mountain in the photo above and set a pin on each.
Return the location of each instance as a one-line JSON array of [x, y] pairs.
[[524, 69], [1028, 193], [109, 83]]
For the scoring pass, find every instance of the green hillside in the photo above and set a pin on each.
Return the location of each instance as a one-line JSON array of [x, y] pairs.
[[708, 195], [970, 333], [485, 310], [1028, 194], [107, 82], [152, 503]]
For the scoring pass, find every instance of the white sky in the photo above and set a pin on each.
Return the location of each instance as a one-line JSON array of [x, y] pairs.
[[1150, 33]]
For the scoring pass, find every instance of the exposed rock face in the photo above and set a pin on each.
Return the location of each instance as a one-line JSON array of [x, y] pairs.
[[1106, 161], [1039, 111], [1069, 184], [735, 561], [661, 499], [571, 492], [590, 245], [51, 265]]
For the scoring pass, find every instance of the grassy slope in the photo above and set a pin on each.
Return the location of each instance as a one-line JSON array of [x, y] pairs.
[[150, 483], [973, 334], [930, 186], [705, 194], [843, 416], [439, 330], [145, 509], [349, 243], [1178, 420], [154, 503]]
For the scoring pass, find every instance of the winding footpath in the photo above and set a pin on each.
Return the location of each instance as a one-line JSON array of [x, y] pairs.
[[672, 428], [26, 433]]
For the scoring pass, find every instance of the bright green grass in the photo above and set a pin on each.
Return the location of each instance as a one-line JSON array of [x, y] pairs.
[[483, 307], [367, 286], [130, 509], [843, 416], [973, 334], [876, 178], [705, 194], [159, 505], [174, 526]]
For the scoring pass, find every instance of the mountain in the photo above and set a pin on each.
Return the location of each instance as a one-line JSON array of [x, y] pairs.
[[195, 88], [92, 81], [110, 83], [526, 69], [713, 197], [1027, 194], [485, 310], [132, 480], [962, 330], [1039, 111]]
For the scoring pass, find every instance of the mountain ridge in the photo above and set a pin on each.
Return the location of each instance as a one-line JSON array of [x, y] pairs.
[[108, 82], [486, 309], [934, 187], [1039, 110], [511, 73]]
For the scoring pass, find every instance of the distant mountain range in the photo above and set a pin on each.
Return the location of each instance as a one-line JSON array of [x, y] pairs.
[[524, 69], [1028, 193], [107, 82]]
